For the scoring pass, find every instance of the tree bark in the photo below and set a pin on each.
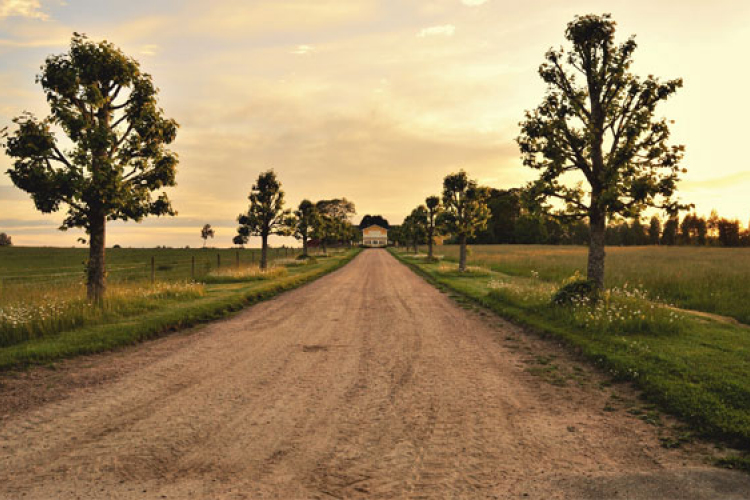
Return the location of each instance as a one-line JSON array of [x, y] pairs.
[[96, 282], [304, 246], [429, 246], [598, 229], [264, 252], [462, 254]]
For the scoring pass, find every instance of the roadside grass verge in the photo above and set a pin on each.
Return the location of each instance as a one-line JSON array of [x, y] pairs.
[[692, 367], [247, 273], [35, 313], [213, 301], [708, 279]]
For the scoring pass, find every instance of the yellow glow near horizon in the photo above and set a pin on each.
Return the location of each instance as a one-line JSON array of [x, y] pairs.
[[374, 101]]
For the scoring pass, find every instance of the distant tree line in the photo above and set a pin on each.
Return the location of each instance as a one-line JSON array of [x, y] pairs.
[[513, 221]]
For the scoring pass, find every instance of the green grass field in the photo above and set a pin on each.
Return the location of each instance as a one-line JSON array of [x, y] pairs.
[[45, 319], [713, 280], [693, 366], [41, 266]]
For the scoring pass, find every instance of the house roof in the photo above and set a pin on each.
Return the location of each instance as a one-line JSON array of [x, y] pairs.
[[374, 225]]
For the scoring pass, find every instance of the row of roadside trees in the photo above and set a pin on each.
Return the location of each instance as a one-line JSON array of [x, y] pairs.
[[461, 211], [601, 151], [326, 221], [119, 156]]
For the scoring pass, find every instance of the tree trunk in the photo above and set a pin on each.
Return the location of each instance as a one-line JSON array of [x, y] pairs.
[[429, 247], [304, 246], [264, 252], [96, 282], [323, 246], [462, 254], [598, 229]]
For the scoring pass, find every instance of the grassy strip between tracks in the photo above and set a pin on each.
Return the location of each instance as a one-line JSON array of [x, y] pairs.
[[218, 301], [697, 371]]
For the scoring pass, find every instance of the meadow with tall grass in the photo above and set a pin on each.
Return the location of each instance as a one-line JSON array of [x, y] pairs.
[[712, 280]]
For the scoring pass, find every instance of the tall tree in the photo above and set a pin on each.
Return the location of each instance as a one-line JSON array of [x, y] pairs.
[[239, 241], [108, 110], [397, 234], [432, 203], [729, 232], [465, 210], [670, 232], [694, 230], [415, 225], [266, 215], [305, 219], [5, 240], [654, 230], [206, 232], [333, 224], [597, 120], [505, 206]]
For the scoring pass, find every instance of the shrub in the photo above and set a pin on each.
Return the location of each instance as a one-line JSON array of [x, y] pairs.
[[576, 292], [5, 240]]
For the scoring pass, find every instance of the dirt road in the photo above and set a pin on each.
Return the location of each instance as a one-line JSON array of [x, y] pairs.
[[365, 383]]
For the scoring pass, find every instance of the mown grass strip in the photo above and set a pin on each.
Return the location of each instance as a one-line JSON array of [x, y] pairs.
[[220, 301], [699, 374]]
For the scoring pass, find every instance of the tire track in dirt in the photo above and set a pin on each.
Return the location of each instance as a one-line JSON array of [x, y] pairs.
[[367, 383]]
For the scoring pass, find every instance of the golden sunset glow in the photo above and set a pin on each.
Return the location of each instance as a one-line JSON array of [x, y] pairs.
[[375, 101]]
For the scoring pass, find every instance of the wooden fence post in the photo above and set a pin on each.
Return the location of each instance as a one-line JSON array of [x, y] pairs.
[[218, 260]]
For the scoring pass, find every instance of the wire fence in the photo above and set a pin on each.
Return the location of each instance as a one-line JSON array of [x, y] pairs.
[[143, 267]]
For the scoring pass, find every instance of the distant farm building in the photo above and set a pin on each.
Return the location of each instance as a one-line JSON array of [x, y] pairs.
[[374, 231]]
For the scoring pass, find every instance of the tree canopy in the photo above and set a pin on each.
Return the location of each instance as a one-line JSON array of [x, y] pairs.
[[373, 220], [207, 232], [107, 107], [465, 210], [266, 214], [305, 219], [333, 224], [598, 120]]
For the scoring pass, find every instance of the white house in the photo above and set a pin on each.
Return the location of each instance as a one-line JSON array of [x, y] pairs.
[[374, 236]]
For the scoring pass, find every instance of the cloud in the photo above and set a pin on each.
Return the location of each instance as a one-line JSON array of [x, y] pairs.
[[302, 50], [723, 182], [473, 3], [239, 18], [22, 8], [149, 49], [444, 30]]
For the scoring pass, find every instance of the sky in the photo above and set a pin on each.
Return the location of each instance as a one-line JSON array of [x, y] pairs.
[[375, 101]]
